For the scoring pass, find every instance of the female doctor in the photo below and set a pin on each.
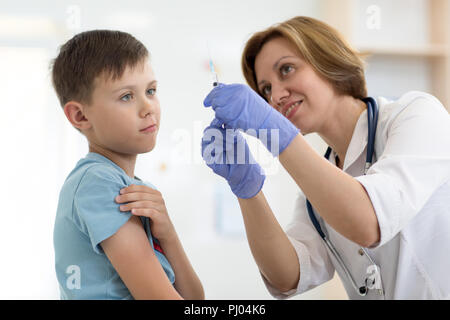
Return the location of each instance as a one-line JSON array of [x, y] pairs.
[[378, 209]]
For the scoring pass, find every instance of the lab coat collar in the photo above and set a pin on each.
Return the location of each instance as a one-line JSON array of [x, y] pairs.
[[358, 142]]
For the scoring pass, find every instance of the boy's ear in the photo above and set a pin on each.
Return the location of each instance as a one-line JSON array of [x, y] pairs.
[[74, 112]]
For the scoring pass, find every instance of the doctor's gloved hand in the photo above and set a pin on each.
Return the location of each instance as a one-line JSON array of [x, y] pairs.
[[239, 107], [226, 152]]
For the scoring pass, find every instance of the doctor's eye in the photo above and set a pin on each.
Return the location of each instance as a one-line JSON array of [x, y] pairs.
[[285, 69], [266, 91]]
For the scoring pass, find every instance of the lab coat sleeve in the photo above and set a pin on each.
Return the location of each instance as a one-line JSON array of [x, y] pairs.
[[414, 164], [315, 265]]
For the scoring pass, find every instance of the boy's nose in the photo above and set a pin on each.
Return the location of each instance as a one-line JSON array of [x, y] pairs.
[[147, 108]]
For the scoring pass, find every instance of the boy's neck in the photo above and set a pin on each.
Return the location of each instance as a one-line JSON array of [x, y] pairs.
[[125, 161]]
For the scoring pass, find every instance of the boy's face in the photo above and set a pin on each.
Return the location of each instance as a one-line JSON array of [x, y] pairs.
[[120, 110]]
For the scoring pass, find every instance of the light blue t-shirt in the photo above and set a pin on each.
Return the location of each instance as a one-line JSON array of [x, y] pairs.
[[88, 214]]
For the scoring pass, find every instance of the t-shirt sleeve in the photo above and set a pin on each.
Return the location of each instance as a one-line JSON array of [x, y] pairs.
[[96, 212], [414, 164]]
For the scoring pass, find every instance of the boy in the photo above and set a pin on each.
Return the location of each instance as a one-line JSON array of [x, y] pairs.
[[106, 247]]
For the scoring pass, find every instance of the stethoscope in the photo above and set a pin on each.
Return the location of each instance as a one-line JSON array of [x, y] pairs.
[[372, 118]]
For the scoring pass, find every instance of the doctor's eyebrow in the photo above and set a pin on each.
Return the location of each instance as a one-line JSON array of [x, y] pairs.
[[275, 65], [134, 87]]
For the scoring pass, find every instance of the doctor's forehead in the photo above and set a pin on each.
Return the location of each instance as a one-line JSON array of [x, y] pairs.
[[272, 54]]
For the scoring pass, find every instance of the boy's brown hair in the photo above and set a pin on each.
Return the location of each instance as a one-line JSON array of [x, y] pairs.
[[89, 55]]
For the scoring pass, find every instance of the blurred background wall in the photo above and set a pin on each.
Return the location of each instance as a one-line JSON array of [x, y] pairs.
[[39, 147]]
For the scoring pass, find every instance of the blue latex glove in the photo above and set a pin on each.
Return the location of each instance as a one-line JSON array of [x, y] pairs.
[[226, 152], [239, 107]]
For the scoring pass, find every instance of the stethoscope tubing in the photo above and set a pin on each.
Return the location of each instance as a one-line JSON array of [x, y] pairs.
[[372, 119]]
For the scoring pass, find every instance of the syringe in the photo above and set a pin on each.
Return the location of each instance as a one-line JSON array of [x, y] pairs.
[[214, 74], [211, 68]]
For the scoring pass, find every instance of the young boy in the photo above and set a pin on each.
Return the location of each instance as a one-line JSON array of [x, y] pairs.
[[106, 247]]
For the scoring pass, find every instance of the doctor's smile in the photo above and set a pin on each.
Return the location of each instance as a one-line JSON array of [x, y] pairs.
[[291, 108]]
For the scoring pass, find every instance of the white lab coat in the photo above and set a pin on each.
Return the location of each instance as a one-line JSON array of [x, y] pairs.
[[409, 186]]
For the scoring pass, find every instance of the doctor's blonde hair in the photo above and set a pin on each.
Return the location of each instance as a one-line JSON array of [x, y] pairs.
[[319, 45]]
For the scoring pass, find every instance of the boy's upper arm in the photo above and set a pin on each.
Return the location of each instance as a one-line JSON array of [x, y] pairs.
[[95, 211], [134, 259]]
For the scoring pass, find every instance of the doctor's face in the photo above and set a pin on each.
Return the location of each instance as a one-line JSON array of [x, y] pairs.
[[292, 86]]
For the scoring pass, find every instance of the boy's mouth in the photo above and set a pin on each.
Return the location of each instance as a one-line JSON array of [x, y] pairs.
[[151, 128]]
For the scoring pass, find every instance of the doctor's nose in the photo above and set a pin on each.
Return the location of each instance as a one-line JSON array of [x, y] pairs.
[[278, 97]]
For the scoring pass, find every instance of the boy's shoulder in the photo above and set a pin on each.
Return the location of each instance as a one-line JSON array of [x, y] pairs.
[[101, 171], [95, 175], [94, 170]]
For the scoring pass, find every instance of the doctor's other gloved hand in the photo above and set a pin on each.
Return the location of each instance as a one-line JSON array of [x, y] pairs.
[[240, 107], [226, 152]]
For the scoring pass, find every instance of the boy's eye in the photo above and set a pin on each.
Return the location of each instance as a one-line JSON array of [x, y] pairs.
[[126, 97], [152, 91], [285, 69]]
